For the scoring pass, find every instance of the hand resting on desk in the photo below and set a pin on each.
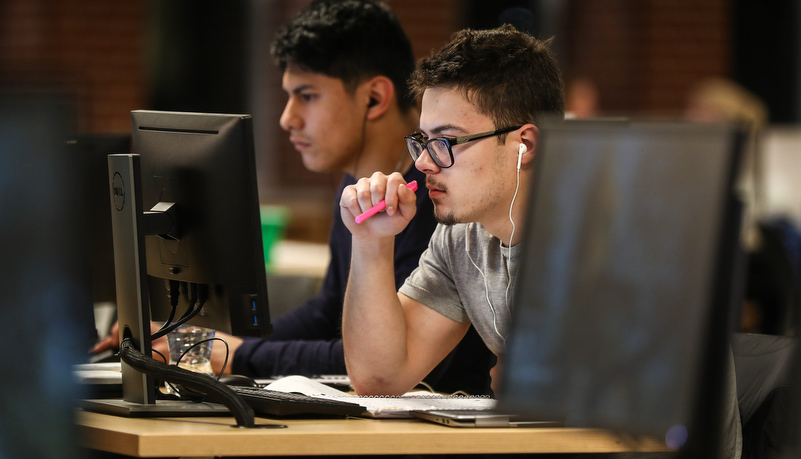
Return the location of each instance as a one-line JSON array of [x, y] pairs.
[[112, 341]]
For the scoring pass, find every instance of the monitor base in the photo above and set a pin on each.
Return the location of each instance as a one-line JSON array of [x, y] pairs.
[[162, 408]]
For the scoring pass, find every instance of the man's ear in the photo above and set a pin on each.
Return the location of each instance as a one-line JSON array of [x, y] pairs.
[[380, 95], [529, 136]]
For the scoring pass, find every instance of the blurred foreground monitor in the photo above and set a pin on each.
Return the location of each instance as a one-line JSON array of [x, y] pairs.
[[44, 301], [622, 317]]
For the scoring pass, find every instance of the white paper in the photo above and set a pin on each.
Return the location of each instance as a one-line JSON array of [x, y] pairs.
[[383, 406]]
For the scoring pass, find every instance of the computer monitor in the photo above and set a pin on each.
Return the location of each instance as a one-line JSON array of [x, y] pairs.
[[185, 211], [205, 164], [89, 151], [777, 187], [626, 281]]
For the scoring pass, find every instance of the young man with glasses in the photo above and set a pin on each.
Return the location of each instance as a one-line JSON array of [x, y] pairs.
[[482, 96]]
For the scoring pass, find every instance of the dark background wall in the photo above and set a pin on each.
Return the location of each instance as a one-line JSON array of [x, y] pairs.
[[643, 56], [766, 54]]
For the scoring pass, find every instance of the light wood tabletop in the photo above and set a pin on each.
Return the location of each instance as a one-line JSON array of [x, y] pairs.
[[217, 436]]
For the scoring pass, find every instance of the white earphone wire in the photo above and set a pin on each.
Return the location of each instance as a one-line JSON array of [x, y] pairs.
[[486, 286], [514, 227]]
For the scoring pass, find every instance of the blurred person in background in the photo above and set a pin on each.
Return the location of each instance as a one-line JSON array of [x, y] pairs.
[[773, 244]]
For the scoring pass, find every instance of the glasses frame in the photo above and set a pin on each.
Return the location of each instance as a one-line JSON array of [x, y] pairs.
[[449, 143]]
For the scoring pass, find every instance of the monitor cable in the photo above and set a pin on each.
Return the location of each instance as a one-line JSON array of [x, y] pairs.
[[199, 294], [174, 293], [196, 382]]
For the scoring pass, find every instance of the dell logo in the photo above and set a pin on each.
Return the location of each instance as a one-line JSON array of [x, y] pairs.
[[118, 191]]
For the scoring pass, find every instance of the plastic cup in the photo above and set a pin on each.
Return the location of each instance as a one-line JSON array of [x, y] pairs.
[[190, 348]]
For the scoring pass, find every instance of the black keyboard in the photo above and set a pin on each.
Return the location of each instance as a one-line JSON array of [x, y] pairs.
[[278, 404]]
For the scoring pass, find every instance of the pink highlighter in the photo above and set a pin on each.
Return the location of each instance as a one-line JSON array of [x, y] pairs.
[[382, 205]]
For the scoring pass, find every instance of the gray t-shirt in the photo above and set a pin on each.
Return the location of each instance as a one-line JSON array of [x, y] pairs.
[[467, 276]]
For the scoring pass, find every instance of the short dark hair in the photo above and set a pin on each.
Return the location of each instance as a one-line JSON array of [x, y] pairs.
[[352, 40], [510, 76]]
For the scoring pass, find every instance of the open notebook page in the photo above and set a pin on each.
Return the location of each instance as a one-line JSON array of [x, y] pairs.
[[384, 406]]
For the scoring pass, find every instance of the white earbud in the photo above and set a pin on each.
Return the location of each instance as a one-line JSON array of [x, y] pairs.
[[520, 152]]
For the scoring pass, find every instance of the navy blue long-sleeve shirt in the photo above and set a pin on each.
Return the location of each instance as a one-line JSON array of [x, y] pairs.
[[308, 340]]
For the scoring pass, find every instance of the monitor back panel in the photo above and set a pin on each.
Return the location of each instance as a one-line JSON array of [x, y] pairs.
[[619, 275]]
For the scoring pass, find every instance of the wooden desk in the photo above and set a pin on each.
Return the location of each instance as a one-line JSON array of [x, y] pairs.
[[160, 437]]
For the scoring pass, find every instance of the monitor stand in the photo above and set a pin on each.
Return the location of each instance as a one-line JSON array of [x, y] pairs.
[[130, 225]]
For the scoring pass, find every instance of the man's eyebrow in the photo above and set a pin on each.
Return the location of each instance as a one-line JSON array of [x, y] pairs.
[[440, 129], [299, 89]]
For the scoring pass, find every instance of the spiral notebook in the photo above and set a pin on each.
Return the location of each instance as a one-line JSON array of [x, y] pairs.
[[403, 406]]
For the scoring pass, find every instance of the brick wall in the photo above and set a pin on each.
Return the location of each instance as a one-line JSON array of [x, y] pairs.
[[91, 49], [642, 54]]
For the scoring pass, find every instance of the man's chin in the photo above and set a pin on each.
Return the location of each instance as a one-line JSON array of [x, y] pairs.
[[445, 219], [315, 166]]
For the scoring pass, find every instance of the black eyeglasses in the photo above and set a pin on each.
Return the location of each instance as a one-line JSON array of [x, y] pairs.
[[439, 148]]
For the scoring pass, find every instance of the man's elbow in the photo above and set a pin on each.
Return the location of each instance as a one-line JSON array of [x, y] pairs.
[[372, 386]]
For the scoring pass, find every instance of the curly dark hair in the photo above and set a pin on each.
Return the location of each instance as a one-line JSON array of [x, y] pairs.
[[352, 40], [510, 76]]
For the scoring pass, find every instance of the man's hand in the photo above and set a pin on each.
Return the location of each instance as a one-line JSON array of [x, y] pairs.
[[401, 205], [112, 341]]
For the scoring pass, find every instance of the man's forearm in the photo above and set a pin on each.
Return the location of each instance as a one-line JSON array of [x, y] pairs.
[[374, 326]]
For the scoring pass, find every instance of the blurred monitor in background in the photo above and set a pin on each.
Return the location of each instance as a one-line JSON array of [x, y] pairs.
[[44, 298], [89, 151], [779, 173]]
